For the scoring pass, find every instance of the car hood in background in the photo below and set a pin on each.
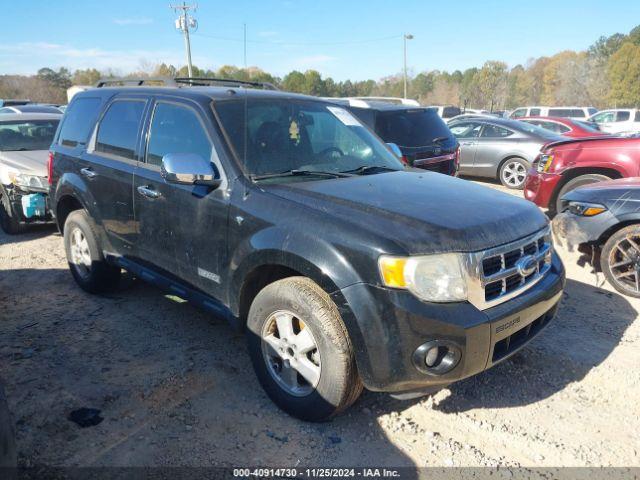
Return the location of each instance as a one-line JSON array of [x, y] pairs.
[[422, 212], [623, 195], [32, 162]]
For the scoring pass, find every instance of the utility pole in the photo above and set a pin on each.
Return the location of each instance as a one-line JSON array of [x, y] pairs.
[[405, 37], [184, 22]]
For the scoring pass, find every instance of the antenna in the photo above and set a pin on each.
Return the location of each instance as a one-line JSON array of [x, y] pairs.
[[183, 23]]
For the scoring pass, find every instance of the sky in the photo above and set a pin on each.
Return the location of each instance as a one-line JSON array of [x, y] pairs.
[[344, 39]]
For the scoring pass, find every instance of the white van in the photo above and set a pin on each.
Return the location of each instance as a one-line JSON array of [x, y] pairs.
[[621, 121], [578, 113]]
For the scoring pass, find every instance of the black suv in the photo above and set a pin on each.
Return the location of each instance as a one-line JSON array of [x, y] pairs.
[[287, 216], [423, 139]]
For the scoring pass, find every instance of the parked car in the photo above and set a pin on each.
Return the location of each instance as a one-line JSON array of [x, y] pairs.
[[577, 113], [7, 102], [466, 116], [285, 215], [30, 108], [8, 456], [422, 137], [499, 148], [446, 111], [620, 121], [602, 220], [24, 143], [571, 163], [566, 127]]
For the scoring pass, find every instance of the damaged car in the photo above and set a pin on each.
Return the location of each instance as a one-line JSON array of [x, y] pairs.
[[602, 220], [24, 149], [287, 216]]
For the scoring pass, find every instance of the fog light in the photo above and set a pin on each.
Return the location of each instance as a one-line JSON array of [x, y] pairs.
[[437, 357]]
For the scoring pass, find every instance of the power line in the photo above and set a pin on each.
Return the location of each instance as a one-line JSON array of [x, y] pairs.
[[270, 42], [183, 23]]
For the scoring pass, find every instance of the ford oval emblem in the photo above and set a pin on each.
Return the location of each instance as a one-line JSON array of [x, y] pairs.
[[526, 265]]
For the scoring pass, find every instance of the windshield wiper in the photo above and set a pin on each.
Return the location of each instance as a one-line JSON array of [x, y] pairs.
[[294, 173], [367, 168], [439, 139]]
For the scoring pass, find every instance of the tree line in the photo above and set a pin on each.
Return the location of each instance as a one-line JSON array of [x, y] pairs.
[[606, 74]]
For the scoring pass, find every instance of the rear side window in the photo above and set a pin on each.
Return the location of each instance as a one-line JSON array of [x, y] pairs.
[[450, 112], [637, 117], [411, 128], [623, 116], [78, 121], [534, 112], [118, 130], [493, 131], [176, 129], [566, 112]]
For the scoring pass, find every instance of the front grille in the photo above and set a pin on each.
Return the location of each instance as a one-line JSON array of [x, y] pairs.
[[509, 270], [513, 342]]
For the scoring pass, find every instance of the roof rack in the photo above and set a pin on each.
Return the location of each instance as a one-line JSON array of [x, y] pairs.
[[363, 102], [135, 82], [203, 81]]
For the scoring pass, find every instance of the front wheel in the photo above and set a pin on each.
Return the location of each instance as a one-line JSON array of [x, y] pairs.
[[513, 173], [301, 351], [620, 260]]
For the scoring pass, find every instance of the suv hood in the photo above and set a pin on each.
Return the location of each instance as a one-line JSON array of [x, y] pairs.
[[422, 212], [33, 162]]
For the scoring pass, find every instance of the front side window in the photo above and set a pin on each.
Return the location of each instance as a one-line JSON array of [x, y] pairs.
[[176, 129], [274, 136], [604, 117], [27, 135], [493, 131], [520, 112], [118, 130], [78, 121], [534, 112]]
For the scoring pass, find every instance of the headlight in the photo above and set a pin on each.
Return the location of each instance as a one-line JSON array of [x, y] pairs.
[[29, 181], [544, 162], [585, 209], [433, 278]]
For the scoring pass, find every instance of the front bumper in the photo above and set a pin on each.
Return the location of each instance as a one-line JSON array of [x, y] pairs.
[[15, 198], [540, 187], [388, 326], [573, 230]]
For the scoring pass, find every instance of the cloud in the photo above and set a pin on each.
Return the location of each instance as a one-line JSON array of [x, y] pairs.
[[132, 21], [28, 57]]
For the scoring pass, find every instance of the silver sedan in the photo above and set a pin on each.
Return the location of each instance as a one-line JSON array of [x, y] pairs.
[[499, 148]]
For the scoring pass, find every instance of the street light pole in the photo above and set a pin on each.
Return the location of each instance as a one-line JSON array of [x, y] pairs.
[[406, 37]]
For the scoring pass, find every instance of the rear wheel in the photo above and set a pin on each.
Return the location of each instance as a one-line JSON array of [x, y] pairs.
[[86, 262], [301, 351], [620, 260], [9, 220], [513, 173], [572, 184]]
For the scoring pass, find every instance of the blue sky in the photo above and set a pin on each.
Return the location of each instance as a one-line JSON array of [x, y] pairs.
[[344, 39]]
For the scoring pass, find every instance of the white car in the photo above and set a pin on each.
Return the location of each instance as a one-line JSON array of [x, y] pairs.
[[619, 121], [24, 150], [446, 112], [577, 113]]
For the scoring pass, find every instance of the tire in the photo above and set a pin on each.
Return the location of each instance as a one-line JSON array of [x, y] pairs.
[[9, 219], [624, 277], [513, 173], [325, 353], [86, 262], [580, 181], [8, 456]]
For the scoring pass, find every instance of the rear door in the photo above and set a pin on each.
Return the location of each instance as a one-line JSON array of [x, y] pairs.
[[182, 229], [108, 165], [467, 134]]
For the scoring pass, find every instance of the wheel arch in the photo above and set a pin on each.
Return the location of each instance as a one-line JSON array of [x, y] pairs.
[[511, 156]]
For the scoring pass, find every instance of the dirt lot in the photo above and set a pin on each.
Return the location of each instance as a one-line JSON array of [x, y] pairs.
[[175, 386]]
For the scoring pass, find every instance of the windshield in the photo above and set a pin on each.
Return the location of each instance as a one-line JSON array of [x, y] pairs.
[[273, 135], [27, 135], [412, 128]]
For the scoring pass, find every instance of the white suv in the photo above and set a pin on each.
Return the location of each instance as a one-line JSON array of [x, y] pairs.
[[577, 113], [622, 121]]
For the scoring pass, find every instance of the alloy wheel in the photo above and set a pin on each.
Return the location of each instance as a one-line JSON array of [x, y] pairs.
[[624, 263], [80, 253], [514, 174], [291, 353]]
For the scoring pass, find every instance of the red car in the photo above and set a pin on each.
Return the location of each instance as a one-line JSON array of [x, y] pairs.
[[565, 165], [565, 126]]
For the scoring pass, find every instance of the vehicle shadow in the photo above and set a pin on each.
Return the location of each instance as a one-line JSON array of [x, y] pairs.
[[589, 325], [34, 232], [174, 386]]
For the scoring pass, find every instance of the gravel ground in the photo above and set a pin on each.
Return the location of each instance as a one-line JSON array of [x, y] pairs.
[[175, 386]]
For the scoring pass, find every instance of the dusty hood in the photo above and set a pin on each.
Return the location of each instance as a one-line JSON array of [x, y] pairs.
[[32, 162], [423, 212]]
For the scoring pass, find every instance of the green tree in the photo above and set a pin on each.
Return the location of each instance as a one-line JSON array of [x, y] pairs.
[[624, 71], [89, 76]]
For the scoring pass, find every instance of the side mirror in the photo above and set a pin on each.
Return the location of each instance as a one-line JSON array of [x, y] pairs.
[[395, 149], [189, 169]]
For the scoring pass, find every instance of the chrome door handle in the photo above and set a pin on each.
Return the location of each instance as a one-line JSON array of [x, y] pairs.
[[148, 192], [87, 172], [466, 144]]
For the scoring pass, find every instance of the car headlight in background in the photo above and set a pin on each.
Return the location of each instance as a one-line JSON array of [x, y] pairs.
[[544, 163], [29, 181], [585, 209], [433, 278]]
